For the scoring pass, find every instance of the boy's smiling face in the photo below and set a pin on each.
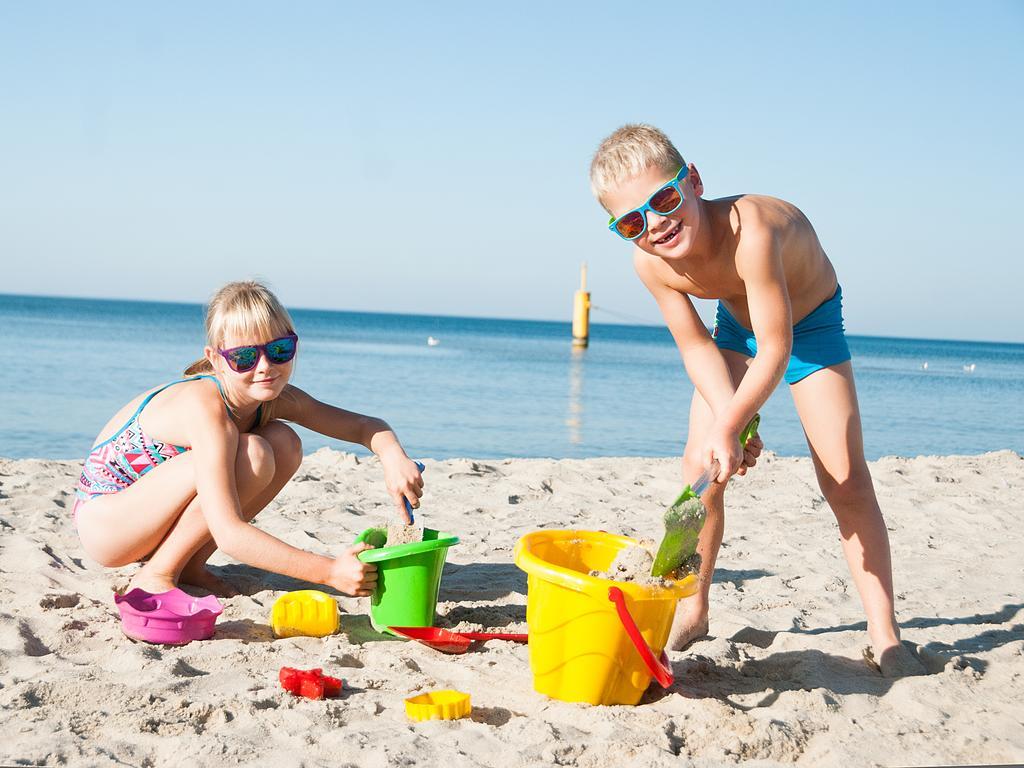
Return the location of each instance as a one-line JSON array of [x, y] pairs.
[[668, 236]]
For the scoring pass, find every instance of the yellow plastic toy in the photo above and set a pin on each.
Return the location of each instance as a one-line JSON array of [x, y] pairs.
[[438, 705], [306, 612], [593, 640]]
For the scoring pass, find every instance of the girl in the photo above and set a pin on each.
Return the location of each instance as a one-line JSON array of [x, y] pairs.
[[198, 458]]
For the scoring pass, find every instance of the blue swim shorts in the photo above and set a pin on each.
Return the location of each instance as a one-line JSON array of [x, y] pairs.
[[818, 339]]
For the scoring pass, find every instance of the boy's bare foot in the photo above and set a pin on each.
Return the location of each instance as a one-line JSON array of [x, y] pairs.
[[895, 661], [202, 578], [690, 624]]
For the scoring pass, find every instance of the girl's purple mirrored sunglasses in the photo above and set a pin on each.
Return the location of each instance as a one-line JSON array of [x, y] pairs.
[[279, 351]]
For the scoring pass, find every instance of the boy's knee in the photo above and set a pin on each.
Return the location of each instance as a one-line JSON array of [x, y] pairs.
[[852, 491], [692, 466], [286, 444]]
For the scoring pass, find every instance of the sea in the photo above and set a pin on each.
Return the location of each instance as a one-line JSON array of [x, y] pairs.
[[485, 388]]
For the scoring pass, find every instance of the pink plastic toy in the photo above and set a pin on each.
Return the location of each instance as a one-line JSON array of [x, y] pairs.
[[168, 618]]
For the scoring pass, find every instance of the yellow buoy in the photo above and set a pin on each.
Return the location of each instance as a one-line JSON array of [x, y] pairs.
[[581, 312]]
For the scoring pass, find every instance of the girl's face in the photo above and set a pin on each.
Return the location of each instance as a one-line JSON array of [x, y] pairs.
[[263, 382]]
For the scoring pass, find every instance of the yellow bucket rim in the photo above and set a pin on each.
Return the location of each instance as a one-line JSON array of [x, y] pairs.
[[596, 587]]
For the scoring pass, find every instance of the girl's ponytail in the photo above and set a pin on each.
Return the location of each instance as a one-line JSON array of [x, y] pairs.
[[202, 365]]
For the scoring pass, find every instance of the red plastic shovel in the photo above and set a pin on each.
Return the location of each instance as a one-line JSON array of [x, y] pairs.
[[447, 641]]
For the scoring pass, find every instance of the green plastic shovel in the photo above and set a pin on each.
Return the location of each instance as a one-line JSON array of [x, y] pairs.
[[683, 520]]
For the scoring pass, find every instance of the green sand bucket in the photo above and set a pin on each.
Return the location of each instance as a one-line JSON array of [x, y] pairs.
[[408, 577]]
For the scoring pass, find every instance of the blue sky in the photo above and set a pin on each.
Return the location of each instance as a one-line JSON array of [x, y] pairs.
[[434, 159]]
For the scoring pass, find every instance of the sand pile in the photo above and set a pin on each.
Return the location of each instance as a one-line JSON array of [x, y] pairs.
[[633, 564], [400, 533]]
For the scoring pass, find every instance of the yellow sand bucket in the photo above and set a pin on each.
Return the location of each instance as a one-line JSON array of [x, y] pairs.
[[593, 640]]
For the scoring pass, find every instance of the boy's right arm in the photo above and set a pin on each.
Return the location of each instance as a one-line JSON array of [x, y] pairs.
[[214, 442], [701, 357]]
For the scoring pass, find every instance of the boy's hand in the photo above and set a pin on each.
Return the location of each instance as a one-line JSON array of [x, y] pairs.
[[724, 447], [351, 575], [404, 482], [751, 451]]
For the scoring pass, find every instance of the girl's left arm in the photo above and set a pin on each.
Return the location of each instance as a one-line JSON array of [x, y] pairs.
[[401, 475]]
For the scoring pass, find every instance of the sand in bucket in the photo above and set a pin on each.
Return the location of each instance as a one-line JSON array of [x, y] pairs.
[[581, 648], [633, 563]]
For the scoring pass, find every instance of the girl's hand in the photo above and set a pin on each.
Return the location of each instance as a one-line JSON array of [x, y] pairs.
[[351, 575], [404, 482]]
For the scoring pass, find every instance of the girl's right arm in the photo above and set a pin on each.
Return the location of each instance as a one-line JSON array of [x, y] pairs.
[[214, 441]]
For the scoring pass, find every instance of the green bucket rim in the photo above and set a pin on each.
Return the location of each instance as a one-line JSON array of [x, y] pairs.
[[404, 550]]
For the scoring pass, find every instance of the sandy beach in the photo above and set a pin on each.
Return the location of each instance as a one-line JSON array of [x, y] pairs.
[[780, 680]]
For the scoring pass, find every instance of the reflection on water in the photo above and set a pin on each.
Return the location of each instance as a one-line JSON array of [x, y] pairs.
[[574, 421]]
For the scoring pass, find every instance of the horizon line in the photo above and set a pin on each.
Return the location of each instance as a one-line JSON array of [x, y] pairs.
[[568, 322]]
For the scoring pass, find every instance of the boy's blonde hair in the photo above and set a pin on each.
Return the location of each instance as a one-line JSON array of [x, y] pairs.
[[246, 309], [628, 152]]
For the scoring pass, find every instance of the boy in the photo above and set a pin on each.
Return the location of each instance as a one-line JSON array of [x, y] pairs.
[[779, 316]]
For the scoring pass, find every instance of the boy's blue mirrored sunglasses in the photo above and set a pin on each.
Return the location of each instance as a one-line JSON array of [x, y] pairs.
[[629, 226]]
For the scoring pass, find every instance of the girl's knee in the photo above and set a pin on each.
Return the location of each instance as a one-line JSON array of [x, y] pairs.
[[286, 444], [259, 455]]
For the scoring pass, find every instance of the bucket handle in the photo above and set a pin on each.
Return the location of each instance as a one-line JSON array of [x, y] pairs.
[[659, 668]]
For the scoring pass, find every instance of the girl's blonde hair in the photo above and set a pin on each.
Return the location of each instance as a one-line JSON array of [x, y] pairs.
[[246, 309], [628, 152]]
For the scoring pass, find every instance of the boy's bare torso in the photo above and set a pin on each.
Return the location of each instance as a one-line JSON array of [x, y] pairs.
[[727, 223]]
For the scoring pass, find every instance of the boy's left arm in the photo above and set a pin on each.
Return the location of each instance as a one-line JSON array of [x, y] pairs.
[[759, 265], [401, 475]]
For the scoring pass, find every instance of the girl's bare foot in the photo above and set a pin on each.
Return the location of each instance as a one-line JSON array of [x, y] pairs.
[[202, 578], [151, 581]]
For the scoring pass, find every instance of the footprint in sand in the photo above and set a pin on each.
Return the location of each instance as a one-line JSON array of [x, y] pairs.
[[760, 638], [67, 600], [181, 668], [32, 644]]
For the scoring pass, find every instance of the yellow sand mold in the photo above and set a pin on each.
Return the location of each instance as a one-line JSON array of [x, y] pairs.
[[306, 612], [438, 705]]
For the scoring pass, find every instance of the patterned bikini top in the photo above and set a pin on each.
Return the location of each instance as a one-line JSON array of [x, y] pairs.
[[130, 453]]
